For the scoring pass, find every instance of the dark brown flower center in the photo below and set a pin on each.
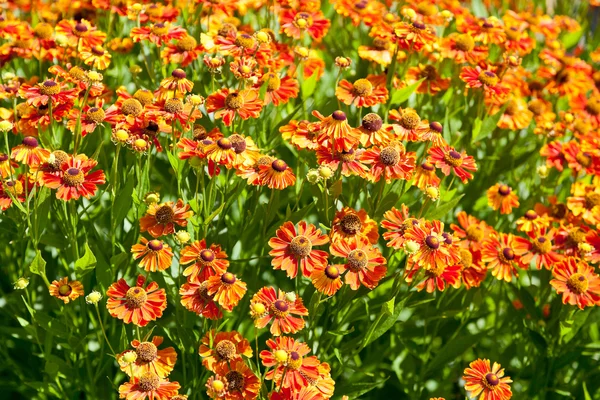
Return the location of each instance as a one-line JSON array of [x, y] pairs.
[[235, 381], [132, 107], [357, 260], [504, 190], [592, 199], [228, 278], [280, 308], [410, 120], [238, 143], [146, 352], [432, 242], [174, 106], [492, 379], [178, 74], [96, 115], [362, 87], [30, 141], [49, 88], [389, 156], [148, 382], [350, 224], [542, 245], [372, 122], [155, 245], [234, 101], [279, 165], [339, 115], [507, 255], [488, 78], [294, 360], [427, 166], [531, 215], [164, 214], [159, 29], [226, 350], [577, 283]]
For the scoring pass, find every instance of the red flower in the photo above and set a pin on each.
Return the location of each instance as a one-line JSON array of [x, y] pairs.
[[293, 248], [276, 175], [502, 252], [434, 251], [541, 249], [195, 297], [279, 308], [396, 222], [336, 133], [75, 179], [29, 152], [327, 278], [222, 348], [349, 224], [242, 383], [393, 162], [155, 255], [80, 33], [488, 382], [136, 304], [280, 91], [227, 103], [577, 283], [160, 219], [288, 359], [208, 261], [294, 23], [364, 263], [486, 79], [226, 289], [448, 159], [47, 91]]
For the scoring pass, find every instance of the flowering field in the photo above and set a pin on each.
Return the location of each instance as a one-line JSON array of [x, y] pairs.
[[295, 199]]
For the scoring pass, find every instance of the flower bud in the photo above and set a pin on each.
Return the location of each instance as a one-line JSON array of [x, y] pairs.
[[5, 126], [182, 237], [281, 356], [218, 385], [411, 247], [151, 198], [129, 357], [325, 172], [257, 309], [93, 298], [542, 171], [432, 192], [290, 296], [21, 283], [409, 13], [313, 176]]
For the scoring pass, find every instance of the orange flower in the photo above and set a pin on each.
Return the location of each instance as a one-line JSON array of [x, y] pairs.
[[148, 385], [74, 178], [434, 251], [502, 197], [288, 359], [363, 92], [280, 308], [241, 382], [396, 222], [301, 134], [485, 30], [96, 57], [29, 152], [279, 90], [501, 252], [488, 382], [585, 201], [160, 219], [208, 261], [182, 52], [136, 304], [409, 126], [425, 176], [222, 348], [156, 255], [294, 23], [516, 115], [195, 297], [80, 33], [531, 222], [448, 159], [349, 160], [335, 132], [7, 167], [159, 33], [381, 52], [149, 358], [461, 49], [276, 175], [14, 188], [227, 103], [374, 132], [327, 278], [349, 224], [577, 283], [433, 83], [486, 79], [472, 272], [541, 249], [364, 263], [177, 82], [66, 290], [294, 247], [46, 92], [437, 277], [472, 230], [226, 290], [413, 36], [392, 161]]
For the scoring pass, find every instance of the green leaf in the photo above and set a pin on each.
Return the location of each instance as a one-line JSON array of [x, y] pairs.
[[400, 96], [586, 394], [214, 214], [384, 321], [443, 209], [86, 263], [570, 327], [453, 349], [123, 200], [481, 129], [356, 389], [309, 86], [38, 265], [570, 39]]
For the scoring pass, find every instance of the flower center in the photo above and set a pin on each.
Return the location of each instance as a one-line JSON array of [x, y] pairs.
[[491, 380], [583, 159], [577, 283], [294, 360], [80, 29], [203, 292], [506, 255], [531, 215], [332, 272], [432, 242], [226, 350], [537, 107], [279, 165], [339, 115], [159, 29], [504, 190], [235, 381], [576, 236], [65, 290], [350, 224], [347, 156], [542, 245], [380, 44], [466, 258], [273, 82], [418, 25], [410, 120], [73, 177], [245, 41], [43, 30], [488, 78], [357, 260], [453, 158], [135, 297], [155, 245], [132, 107], [228, 278], [512, 107], [178, 74], [465, 42], [98, 50], [30, 141], [146, 352], [238, 143], [96, 115], [144, 96], [234, 101], [389, 156], [149, 381], [300, 246], [436, 127], [592, 199], [173, 106], [3, 157], [362, 87], [474, 233], [593, 106], [186, 44], [429, 73], [372, 122], [164, 214], [558, 210], [224, 143], [49, 88], [280, 308]]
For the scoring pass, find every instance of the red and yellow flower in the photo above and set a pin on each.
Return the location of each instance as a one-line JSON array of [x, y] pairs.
[[149, 358], [227, 103], [136, 304], [150, 385], [207, 261], [284, 310], [364, 263], [502, 197], [222, 348], [502, 252], [74, 179], [66, 290], [195, 298], [160, 219], [485, 382], [349, 224], [291, 368], [226, 289], [364, 92], [577, 282], [155, 254]]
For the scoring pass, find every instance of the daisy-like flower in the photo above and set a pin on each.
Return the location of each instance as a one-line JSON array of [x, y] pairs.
[[148, 385], [241, 382], [434, 251], [374, 132], [380, 52], [80, 33], [285, 310], [75, 178], [183, 51], [485, 30], [541, 249], [276, 175], [29, 152], [409, 126], [177, 82], [585, 201], [96, 57], [12, 188], [364, 92], [447, 159], [336, 133], [49, 91], [149, 358], [425, 176], [155, 254], [471, 230], [462, 49], [433, 82], [293, 248], [7, 167], [207, 261], [158, 33], [195, 297], [349, 161], [226, 289], [160, 219], [433, 134], [289, 362], [577, 283], [327, 278], [349, 224], [279, 90], [222, 348], [396, 222], [364, 263], [501, 196], [66, 290], [391, 162], [294, 23], [437, 277], [485, 382], [472, 271], [136, 304], [476, 77], [227, 103], [501, 252], [413, 36], [531, 221]]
